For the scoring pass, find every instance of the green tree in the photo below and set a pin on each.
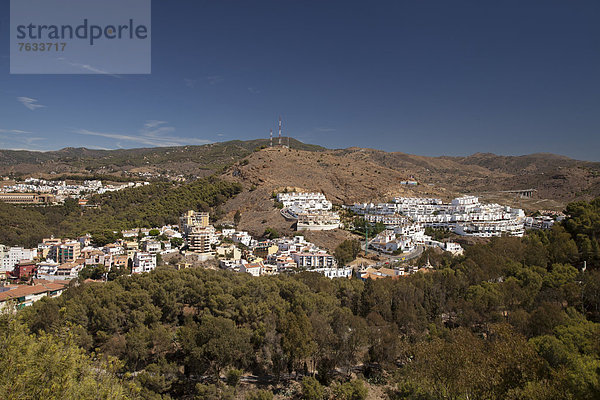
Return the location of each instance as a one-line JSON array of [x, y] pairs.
[[312, 389], [353, 390], [51, 367], [271, 233], [176, 242], [233, 377], [213, 345], [296, 342], [260, 395], [347, 251], [105, 237]]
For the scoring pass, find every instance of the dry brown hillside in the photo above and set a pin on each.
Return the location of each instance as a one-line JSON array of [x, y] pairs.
[[343, 180], [363, 175]]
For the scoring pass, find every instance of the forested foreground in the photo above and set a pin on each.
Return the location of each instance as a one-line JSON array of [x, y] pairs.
[[511, 319], [148, 206]]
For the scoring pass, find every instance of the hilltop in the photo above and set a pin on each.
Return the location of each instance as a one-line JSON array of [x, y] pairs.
[[555, 177]]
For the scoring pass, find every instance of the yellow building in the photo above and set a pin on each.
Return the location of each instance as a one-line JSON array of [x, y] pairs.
[[230, 252], [193, 219], [265, 251]]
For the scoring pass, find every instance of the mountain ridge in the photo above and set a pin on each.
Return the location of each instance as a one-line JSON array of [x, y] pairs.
[[554, 176]]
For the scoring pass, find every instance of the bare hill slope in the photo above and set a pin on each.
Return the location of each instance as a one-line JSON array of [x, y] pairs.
[[363, 175]]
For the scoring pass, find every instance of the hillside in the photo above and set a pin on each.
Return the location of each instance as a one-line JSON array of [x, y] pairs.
[[554, 177], [186, 160], [145, 206], [344, 175], [361, 175], [341, 178]]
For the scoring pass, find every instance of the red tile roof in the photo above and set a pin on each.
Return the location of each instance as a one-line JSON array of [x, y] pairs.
[[26, 290]]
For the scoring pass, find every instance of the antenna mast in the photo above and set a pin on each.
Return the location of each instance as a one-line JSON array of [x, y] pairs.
[[280, 130], [271, 139]]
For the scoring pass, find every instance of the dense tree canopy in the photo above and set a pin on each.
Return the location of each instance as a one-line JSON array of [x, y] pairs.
[[48, 366], [142, 207], [510, 319]]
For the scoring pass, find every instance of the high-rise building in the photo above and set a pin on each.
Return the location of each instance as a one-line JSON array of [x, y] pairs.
[[199, 238], [193, 219], [66, 252], [198, 233]]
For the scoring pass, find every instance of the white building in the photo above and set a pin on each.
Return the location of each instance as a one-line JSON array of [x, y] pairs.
[[314, 260], [228, 232], [541, 222], [143, 262], [200, 239], [464, 215], [47, 270], [334, 272], [153, 246], [244, 238], [13, 255], [312, 210], [454, 248], [66, 271], [318, 221], [254, 269], [389, 220], [306, 201]]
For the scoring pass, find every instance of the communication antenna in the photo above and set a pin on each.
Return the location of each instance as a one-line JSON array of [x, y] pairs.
[[280, 130], [271, 139]]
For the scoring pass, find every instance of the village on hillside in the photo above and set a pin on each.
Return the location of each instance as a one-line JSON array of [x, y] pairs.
[[399, 235]]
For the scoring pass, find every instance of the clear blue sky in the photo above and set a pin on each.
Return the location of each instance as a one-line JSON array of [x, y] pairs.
[[422, 77]]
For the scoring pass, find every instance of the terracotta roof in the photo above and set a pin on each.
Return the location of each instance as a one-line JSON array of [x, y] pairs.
[[369, 275], [69, 265], [24, 290]]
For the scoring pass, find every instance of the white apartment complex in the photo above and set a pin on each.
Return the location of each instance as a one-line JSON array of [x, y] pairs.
[[306, 201], [312, 210], [464, 215]]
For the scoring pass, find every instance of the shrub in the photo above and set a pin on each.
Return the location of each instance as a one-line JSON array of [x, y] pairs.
[[312, 389], [233, 377], [353, 390], [260, 395]]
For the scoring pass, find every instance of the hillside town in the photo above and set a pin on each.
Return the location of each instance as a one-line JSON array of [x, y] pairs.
[[46, 270], [41, 191]]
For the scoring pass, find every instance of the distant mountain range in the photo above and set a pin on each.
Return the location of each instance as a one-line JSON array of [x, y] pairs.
[[352, 171]]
